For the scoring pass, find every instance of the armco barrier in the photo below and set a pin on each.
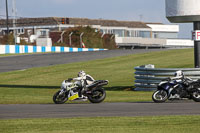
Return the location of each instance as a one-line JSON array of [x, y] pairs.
[[16, 49], [147, 79]]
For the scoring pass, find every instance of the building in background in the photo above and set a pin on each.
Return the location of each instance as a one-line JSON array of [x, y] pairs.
[[128, 34]]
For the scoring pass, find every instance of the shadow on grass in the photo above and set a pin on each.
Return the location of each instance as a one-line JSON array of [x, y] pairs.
[[119, 88], [114, 88], [30, 86]]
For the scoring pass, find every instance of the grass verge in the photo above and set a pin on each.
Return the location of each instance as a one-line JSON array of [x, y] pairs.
[[37, 85], [20, 54], [149, 124]]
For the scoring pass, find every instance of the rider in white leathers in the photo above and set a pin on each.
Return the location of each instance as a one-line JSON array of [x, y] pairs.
[[85, 79]]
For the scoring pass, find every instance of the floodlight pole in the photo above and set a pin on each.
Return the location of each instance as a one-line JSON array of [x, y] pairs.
[[7, 23], [197, 47], [14, 20]]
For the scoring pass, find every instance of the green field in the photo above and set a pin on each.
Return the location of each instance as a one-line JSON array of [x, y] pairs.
[[37, 85], [150, 124]]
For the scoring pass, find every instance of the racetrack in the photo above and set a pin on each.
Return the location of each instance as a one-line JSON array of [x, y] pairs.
[[20, 62], [84, 110], [98, 110]]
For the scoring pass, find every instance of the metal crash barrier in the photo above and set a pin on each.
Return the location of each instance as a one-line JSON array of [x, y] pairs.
[[147, 77]]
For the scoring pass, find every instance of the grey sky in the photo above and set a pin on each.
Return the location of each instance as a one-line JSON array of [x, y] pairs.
[[133, 10]]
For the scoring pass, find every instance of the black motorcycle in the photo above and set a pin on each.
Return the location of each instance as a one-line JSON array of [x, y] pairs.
[[172, 89], [73, 91]]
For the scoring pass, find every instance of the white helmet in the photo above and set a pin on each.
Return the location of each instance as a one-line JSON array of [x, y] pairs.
[[81, 73], [178, 73]]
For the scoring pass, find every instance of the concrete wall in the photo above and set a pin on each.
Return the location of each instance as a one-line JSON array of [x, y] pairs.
[[44, 42], [140, 41], [123, 41], [16, 49], [164, 28], [180, 42]]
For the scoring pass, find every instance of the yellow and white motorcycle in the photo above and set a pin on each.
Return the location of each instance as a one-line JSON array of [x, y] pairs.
[[73, 91]]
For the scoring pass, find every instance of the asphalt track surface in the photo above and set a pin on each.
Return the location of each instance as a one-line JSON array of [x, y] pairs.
[[98, 110], [12, 63]]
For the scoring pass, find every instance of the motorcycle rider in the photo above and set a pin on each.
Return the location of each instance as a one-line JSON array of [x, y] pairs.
[[181, 80], [85, 79], [178, 78]]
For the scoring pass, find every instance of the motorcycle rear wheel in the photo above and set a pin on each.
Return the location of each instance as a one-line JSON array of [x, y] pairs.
[[159, 96], [59, 99], [98, 96]]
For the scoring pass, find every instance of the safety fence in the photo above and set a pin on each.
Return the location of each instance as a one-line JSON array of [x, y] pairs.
[[147, 77], [16, 49]]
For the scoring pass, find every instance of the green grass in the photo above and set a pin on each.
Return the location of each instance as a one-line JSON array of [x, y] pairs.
[[37, 85], [3, 55], [150, 124]]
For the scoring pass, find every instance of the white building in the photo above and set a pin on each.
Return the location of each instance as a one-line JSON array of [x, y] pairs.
[[128, 34]]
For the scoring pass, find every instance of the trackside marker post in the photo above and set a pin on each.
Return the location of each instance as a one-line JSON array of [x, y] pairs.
[[186, 11], [196, 35]]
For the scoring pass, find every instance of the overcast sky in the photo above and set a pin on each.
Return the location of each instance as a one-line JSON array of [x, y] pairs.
[[132, 10]]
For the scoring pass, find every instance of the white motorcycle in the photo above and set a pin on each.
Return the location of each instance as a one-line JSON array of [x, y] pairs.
[[73, 90]]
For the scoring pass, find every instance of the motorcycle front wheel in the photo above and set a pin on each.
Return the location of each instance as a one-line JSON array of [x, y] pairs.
[[97, 96], [196, 95], [159, 96], [59, 98]]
